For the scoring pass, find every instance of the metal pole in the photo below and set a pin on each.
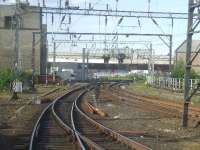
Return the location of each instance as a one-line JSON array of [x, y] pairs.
[[149, 62], [33, 60], [83, 65], [54, 61], [152, 60], [17, 50], [54, 53], [42, 65], [188, 65], [87, 64], [170, 53]]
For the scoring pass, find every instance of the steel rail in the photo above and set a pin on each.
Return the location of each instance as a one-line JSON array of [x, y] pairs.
[[133, 144], [59, 120], [75, 134], [80, 137], [36, 128], [74, 129]]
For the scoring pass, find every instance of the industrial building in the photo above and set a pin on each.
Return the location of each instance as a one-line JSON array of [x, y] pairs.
[[180, 53], [17, 46]]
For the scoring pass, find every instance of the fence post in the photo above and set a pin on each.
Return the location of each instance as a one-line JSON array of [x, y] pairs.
[[175, 83], [179, 83]]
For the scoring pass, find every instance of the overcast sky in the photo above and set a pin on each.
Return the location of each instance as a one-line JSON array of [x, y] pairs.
[[128, 25]]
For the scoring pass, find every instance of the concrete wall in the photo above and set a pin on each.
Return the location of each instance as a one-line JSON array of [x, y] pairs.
[[29, 20], [30, 23], [8, 54]]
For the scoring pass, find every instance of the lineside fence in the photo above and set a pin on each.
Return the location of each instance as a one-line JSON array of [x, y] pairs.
[[175, 84]]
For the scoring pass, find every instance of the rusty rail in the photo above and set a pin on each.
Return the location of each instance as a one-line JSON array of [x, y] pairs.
[[133, 144], [51, 106], [80, 137]]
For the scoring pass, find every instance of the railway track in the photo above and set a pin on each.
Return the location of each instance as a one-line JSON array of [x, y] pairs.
[[103, 137], [63, 125], [50, 132], [168, 108]]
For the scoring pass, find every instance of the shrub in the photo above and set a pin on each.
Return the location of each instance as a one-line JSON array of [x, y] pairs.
[[179, 70], [7, 76]]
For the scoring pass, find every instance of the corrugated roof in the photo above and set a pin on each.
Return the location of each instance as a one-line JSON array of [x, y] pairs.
[[183, 46]]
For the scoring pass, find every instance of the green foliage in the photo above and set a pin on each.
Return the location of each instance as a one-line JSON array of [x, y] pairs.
[[127, 77], [179, 70], [7, 76]]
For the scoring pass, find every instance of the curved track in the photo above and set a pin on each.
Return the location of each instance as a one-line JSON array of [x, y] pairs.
[[50, 132], [63, 125], [104, 137]]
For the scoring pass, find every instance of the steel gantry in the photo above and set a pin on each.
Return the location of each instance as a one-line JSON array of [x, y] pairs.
[[169, 36], [114, 13], [193, 10]]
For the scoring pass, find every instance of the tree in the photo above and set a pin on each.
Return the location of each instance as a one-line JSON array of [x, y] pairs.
[[179, 70]]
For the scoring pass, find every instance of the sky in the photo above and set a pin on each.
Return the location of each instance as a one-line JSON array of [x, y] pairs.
[[128, 25]]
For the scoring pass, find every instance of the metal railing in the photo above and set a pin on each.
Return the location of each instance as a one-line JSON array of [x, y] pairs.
[[175, 84]]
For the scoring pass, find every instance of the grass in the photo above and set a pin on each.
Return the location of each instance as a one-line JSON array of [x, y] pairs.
[[127, 77], [4, 95], [143, 89]]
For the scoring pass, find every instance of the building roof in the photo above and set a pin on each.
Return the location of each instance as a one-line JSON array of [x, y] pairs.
[[182, 48]]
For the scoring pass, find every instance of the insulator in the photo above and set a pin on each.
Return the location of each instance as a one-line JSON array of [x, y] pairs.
[[79, 37], [154, 21], [90, 6], [120, 20], [106, 20], [52, 18], [107, 6], [139, 23], [70, 19], [67, 3], [63, 18], [44, 3]]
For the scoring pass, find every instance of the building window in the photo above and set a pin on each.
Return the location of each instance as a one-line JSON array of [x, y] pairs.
[[10, 22]]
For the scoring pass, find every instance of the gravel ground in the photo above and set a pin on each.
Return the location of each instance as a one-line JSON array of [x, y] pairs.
[[149, 128], [17, 118]]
